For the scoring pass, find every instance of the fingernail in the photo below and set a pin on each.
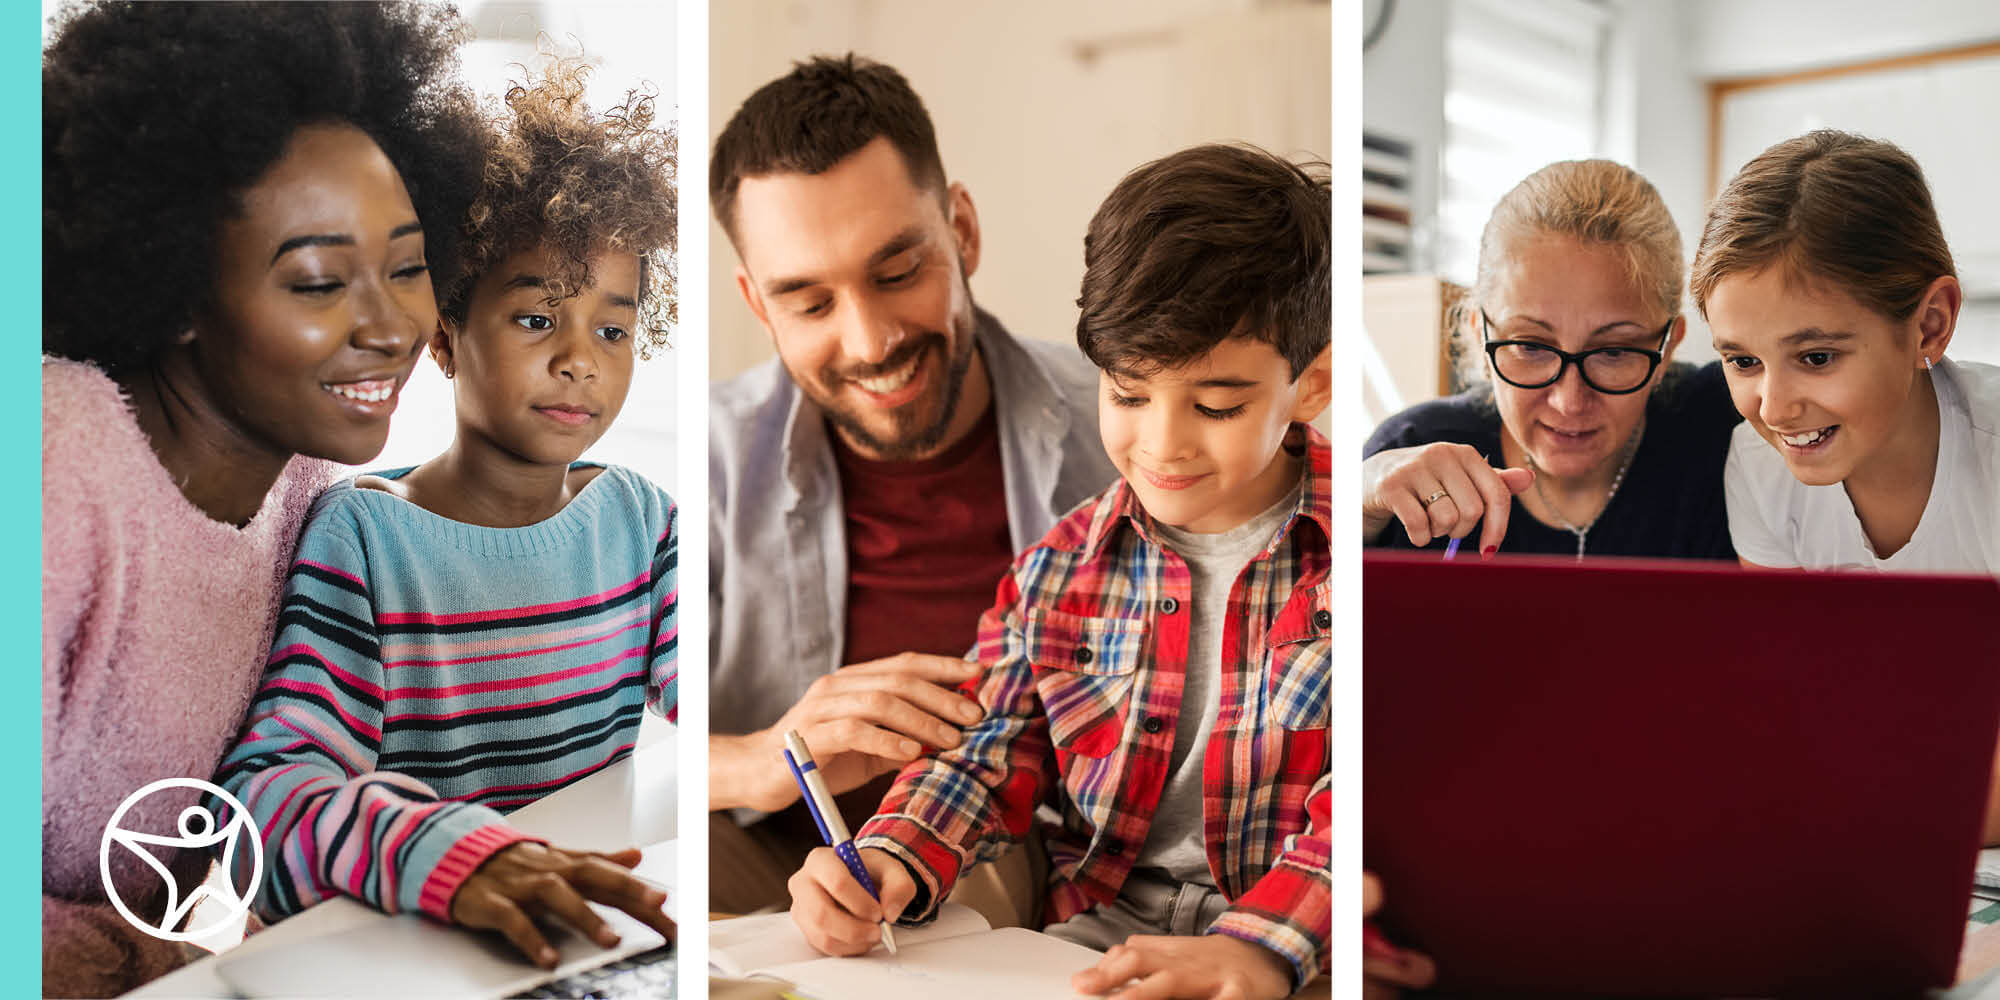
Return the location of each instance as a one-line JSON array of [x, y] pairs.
[[607, 937], [969, 712], [656, 899], [909, 748], [547, 956], [948, 738], [1487, 552], [1376, 946]]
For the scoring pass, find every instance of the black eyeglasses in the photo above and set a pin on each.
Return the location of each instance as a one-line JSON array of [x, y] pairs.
[[1529, 364]]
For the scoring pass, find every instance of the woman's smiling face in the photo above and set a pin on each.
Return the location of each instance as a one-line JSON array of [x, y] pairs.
[[1573, 296], [322, 300]]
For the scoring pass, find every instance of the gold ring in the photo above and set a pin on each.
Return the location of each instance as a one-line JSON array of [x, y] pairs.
[[1435, 497]]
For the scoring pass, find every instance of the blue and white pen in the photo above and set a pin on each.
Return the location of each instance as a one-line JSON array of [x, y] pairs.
[[827, 815]]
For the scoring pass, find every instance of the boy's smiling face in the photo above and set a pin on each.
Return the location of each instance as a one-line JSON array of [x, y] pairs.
[[541, 380], [1200, 444]]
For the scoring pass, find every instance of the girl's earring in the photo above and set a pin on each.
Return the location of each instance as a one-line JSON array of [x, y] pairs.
[[1927, 362]]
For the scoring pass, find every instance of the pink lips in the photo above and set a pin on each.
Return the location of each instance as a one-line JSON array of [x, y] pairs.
[[1171, 482], [572, 416], [1568, 438]]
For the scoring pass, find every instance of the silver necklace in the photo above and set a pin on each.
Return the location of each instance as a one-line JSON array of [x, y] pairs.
[[1583, 533]]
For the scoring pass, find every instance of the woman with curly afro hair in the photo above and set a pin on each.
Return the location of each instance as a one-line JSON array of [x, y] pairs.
[[379, 758], [245, 209]]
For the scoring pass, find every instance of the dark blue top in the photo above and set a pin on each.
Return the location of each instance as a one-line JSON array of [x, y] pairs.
[[1670, 504]]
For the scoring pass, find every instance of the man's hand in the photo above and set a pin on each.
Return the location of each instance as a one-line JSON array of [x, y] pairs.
[[860, 721], [527, 877], [1208, 967], [835, 913]]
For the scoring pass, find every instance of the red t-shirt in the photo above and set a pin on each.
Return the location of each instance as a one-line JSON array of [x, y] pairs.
[[926, 544]]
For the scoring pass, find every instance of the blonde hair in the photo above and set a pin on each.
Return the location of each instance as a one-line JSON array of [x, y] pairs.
[[1853, 211], [1594, 202]]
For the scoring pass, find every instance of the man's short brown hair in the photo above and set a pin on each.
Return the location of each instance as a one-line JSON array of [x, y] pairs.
[[820, 113], [1209, 243]]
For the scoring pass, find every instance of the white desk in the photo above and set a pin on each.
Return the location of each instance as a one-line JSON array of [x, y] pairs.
[[630, 803]]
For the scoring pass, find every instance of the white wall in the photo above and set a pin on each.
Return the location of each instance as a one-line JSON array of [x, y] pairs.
[[1656, 121], [1734, 38], [1037, 132], [1402, 96]]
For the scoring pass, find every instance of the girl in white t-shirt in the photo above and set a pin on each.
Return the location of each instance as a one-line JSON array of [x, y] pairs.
[[1826, 281]]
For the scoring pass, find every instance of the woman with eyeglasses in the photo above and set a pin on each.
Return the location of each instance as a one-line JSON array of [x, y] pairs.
[[1587, 440]]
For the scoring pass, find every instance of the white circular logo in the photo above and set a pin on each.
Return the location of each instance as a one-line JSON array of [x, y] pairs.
[[197, 830]]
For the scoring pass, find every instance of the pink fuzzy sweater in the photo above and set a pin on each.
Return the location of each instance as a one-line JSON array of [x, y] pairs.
[[156, 622]]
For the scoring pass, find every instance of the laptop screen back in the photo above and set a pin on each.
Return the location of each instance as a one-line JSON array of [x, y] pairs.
[[1675, 778]]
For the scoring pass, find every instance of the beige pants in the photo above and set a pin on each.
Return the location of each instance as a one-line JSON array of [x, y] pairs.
[[748, 868]]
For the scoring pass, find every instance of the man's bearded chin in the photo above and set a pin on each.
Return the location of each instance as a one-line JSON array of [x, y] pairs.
[[913, 435]]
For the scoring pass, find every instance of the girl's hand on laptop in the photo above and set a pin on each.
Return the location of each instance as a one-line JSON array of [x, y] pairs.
[[835, 913], [1206, 966], [1438, 490], [527, 877]]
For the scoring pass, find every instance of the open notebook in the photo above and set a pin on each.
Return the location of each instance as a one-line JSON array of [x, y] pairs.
[[956, 956]]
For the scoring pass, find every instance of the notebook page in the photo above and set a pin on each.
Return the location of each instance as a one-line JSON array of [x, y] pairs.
[[745, 945], [1006, 964]]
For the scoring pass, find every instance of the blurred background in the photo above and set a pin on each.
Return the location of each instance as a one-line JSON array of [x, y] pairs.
[[1463, 98], [1040, 106]]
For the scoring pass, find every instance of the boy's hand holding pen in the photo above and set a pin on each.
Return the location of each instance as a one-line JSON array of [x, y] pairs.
[[843, 900]]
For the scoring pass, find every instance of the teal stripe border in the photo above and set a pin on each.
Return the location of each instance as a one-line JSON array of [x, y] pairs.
[[20, 505]]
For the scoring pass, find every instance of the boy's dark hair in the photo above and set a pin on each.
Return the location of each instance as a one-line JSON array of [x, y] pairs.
[[156, 117], [576, 184], [1212, 242], [820, 113]]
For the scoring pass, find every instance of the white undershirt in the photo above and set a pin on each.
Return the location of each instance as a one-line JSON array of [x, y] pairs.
[[1174, 842]]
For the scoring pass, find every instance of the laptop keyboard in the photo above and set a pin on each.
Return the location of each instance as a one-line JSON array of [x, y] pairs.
[[649, 975]]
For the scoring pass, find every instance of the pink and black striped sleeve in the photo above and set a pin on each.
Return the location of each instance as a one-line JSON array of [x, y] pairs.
[[305, 765]]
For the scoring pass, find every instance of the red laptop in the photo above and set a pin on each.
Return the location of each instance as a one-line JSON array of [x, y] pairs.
[[1676, 778]]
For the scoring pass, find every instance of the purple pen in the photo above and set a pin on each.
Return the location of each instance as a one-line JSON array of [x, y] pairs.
[[1452, 549]]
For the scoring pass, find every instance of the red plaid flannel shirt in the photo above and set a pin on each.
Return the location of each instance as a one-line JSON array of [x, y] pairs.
[[1086, 645]]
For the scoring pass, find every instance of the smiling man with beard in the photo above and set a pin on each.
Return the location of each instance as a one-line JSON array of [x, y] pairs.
[[869, 487]]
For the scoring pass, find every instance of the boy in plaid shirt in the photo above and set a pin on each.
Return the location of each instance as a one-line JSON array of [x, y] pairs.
[[1157, 668]]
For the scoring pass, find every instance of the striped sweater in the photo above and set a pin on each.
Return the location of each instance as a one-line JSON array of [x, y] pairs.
[[429, 676]]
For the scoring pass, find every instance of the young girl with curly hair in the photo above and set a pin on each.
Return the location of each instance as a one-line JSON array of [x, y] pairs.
[[244, 208], [466, 636]]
